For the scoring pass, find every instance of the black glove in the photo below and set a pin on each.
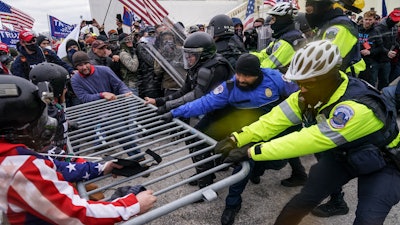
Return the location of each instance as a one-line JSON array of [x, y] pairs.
[[225, 146], [161, 110], [72, 125], [167, 117], [125, 190], [237, 155]]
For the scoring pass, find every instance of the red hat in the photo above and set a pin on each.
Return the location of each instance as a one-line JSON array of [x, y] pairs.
[[395, 15], [4, 47], [26, 36]]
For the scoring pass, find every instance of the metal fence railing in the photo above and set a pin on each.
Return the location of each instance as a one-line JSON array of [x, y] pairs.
[[119, 128]]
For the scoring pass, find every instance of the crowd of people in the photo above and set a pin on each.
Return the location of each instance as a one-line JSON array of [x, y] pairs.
[[320, 82]]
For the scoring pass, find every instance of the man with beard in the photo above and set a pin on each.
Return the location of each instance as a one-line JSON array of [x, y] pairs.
[[251, 93], [328, 19], [287, 38], [346, 121]]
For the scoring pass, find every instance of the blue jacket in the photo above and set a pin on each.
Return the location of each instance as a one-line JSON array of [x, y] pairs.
[[272, 89], [25, 62]]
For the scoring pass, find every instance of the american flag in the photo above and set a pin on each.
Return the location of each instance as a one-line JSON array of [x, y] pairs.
[[249, 19], [273, 2], [150, 11], [18, 19], [270, 2]]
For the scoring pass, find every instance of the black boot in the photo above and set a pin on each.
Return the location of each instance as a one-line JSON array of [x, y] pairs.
[[228, 216], [295, 180], [335, 206]]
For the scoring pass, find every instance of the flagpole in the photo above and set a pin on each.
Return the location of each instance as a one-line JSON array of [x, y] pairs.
[[51, 36], [107, 12]]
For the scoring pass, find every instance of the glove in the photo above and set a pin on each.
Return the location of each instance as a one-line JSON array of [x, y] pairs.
[[167, 117], [72, 125], [225, 146], [122, 191], [161, 110], [237, 155]]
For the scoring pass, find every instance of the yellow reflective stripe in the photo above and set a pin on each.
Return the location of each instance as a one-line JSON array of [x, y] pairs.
[[334, 136], [289, 113]]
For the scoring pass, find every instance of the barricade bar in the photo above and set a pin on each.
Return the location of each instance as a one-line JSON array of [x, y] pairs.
[[126, 128]]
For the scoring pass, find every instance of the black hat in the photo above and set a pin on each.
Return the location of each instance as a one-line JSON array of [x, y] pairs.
[[71, 42], [80, 57], [41, 38], [122, 36], [248, 64]]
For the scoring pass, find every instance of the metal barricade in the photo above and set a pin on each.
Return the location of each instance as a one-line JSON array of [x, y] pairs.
[[120, 127]]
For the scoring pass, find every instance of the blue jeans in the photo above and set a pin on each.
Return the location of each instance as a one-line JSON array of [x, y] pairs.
[[378, 191]]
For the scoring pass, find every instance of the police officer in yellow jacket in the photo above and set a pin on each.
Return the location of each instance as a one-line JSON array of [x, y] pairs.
[[328, 20], [287, 39], [345, 120]]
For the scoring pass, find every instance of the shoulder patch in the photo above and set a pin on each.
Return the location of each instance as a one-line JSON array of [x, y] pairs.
[[268, 92], [331, 33], [218, 90], [341, 116], [276, 46]]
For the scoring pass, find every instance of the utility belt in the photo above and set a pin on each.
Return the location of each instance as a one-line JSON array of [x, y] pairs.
[[364, 159]]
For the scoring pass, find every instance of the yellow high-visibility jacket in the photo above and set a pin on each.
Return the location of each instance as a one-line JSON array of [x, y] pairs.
[[348, 121]]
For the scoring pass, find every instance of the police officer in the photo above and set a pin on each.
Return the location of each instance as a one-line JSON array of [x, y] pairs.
[[251, 93], [333, 107], [330, 22], [229, 45], [287, 39], [328, 19], [206, 69]]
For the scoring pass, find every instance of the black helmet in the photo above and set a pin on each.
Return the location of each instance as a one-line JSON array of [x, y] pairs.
[[55, 74], [199, 45], [220, 25], [23, 115]]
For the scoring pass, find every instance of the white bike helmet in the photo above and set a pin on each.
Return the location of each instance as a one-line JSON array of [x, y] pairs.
[[282, 9], [315, 59]]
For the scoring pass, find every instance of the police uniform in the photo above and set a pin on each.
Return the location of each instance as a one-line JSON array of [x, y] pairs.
[[342, 32], [340, 126], [280, 52]]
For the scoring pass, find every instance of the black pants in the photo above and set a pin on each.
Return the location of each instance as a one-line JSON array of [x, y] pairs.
[[377, 191]]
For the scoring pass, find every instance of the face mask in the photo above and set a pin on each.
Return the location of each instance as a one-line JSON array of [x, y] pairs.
[[5, 59], [31, 47], [48, 47], [70, 53]]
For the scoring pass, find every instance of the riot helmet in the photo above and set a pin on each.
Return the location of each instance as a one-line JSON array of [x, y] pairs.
[[220, 25], [50, 78], [198, 47], [23, 115]]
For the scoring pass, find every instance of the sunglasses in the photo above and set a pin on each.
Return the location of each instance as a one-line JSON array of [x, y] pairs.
[[32, 41]]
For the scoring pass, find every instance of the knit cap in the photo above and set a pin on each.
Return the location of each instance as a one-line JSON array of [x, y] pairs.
[[80, 57], [248, 64]]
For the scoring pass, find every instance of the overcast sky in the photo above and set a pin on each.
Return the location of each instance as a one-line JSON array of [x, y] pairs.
[[68, 11]]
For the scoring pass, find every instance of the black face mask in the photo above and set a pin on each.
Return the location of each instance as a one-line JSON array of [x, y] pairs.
[[31, 47], [70, 53], [5, 59]]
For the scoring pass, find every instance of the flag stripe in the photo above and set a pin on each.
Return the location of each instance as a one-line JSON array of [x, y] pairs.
[[15, 17], [150, 11]]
